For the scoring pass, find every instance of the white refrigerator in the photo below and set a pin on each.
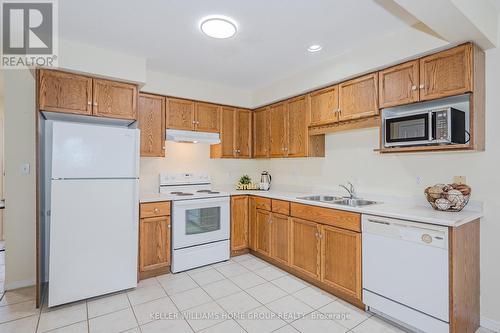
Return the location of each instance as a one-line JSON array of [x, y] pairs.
[[94, 203]]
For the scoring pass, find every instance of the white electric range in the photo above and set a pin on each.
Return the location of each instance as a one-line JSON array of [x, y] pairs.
[[200, 220]]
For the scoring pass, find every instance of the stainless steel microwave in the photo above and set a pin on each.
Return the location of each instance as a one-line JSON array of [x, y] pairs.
[[425, 127]]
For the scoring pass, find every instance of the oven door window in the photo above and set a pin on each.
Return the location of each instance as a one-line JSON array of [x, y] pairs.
[[202, 220], [410, 128]]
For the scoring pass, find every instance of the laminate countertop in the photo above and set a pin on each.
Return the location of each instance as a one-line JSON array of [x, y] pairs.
[[394, 207]]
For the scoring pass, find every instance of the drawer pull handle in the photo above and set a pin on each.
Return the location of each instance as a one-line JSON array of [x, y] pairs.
[[156, 210]]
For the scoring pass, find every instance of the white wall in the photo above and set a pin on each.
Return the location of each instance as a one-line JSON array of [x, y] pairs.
[[350, 156], [188, 157], [171, 85], [20, 209]]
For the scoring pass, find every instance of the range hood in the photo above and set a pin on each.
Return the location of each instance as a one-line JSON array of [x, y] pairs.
[[192, 136]]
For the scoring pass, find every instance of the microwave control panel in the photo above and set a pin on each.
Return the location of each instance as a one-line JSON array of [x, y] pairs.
[[441, 125]]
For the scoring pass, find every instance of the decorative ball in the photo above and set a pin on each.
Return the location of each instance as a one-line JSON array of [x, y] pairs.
[[442, 204], [464, 189], [435, 192], [454, 196]]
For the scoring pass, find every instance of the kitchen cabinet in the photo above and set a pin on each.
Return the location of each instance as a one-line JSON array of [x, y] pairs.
[[358, 98], [243, 137], [207, 117], [263, 232], [77, 94], [305, 247], [114, 99], [446, 73], [65, 92], [399, 85], [341, 259], [180, 114], [324, 106], [154, 239], [235, 134], [296, 127], [239, 223], [277, 137], [261, 133], [280, 238], [151, 122]]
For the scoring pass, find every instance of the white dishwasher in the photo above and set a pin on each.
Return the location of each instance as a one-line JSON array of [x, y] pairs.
[[405, 272]]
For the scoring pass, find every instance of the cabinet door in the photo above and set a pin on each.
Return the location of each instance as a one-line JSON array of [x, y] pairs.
[[399, 84], [297, 131], [243, 133], [180, 114], [261, 133], [154, 243], [263, 232], [227, 133], [277, 136], [358, 98], [239, 222], [151, 122], [305, 247], [324, 106], [64, 92], [446, 73], [280, 238], [114, 99], [341, 260], [252, 220], [207, 117]]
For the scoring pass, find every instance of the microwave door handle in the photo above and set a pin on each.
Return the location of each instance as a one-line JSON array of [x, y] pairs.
[[431, 126]]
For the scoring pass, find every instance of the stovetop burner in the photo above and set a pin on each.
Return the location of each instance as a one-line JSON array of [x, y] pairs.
[[181, 193]]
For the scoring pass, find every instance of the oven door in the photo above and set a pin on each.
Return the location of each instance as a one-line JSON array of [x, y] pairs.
[[199, 221], [408, 130]]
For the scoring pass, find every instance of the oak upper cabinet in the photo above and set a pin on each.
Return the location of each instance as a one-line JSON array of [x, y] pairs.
[[305, 247], [263, 231], [207, 117], [64, 92], [151, 122], [324, 106], [341, 260], [261, 133], [277, 137], [239, 223], [227, 132], [358, 98], [180, 114], [447, 73], [243, 133], [114, 99], [297, 131], [399, 84], [154, 239], [280, 238]]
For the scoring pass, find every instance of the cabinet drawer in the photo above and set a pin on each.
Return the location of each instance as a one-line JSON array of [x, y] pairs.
[[262, 203], [155, 209], [333, 217], [280, 206]]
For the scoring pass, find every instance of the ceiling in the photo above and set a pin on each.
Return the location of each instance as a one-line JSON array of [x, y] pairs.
[[271, 42]]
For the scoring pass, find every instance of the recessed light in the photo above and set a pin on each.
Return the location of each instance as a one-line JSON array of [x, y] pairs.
[[314, 48], [218, 26]]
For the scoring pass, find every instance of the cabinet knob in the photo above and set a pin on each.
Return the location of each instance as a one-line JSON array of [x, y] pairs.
[[422, 86], [194, 121], [414, 87], [168, 226], [156, 210], [89, 103]]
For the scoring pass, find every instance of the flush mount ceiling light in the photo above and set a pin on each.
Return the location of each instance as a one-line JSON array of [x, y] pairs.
[[218, 26], [314, 48]]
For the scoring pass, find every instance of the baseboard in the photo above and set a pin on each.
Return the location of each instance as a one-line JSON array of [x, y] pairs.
[[19, 284], [490, 324]]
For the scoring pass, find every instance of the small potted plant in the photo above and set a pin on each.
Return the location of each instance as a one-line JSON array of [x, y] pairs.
[[245, 183]]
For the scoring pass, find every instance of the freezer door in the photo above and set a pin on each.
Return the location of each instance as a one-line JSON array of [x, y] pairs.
[[94, 151], [93, 238]]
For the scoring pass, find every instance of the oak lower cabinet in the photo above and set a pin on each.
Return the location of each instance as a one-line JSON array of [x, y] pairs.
[[341, 259], [239, 224], [151, 122], [280, 238], [305, 247], [154, 239], [263, 232], [78, 94]]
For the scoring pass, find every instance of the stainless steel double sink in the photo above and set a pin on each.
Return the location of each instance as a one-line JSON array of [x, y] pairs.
[[352, 202]]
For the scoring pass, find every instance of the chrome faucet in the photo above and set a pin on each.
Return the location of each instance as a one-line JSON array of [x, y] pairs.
[[351, 190]]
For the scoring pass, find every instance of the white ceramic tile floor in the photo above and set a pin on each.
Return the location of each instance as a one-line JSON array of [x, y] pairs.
[[256, 298]]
